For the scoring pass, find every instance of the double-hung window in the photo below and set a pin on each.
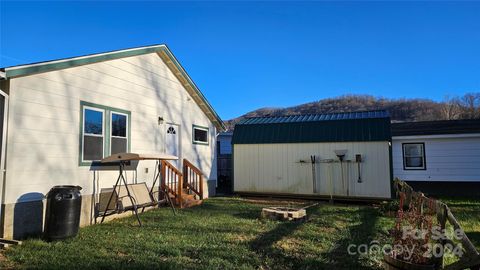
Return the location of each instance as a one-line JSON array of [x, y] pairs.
[[93, 133], [414, 156], [119, 126], [104, 131]]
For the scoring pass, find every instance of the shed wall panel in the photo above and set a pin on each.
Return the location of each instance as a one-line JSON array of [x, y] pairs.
[[286, 168]]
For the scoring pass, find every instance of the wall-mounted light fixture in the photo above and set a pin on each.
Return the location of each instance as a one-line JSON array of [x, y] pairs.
[[160, 120]]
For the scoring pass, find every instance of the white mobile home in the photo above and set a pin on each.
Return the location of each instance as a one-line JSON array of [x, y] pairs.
[[343, 155], [438, 157], [60, 117]]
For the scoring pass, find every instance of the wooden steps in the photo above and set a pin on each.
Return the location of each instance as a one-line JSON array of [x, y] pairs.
[[185, 187], [188, 200]]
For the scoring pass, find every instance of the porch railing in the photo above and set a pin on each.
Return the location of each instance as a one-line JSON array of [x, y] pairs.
[[193, 178], [172, 181]]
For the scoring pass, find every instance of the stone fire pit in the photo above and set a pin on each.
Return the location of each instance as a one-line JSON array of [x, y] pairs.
[[284, 213]]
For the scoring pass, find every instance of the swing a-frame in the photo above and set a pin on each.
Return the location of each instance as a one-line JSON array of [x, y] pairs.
[[125, 196]]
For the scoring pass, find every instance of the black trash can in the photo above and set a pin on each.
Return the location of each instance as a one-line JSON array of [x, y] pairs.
[[62, 218]]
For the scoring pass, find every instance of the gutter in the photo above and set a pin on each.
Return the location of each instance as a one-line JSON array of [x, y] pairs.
[[436, 136]]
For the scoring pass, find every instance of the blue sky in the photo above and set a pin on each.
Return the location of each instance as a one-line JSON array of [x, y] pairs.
[[246, 55]]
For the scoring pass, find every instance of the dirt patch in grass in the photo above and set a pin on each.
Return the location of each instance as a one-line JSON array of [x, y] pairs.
[[274, 201], [4, 263]]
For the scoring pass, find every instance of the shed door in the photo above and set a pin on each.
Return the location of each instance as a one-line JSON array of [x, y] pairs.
[[172, 142]]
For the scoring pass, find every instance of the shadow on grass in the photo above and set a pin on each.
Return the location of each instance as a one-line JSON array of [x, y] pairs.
[[338, 257], [247, 215], [474, 238], [463, 204], [263, 244]]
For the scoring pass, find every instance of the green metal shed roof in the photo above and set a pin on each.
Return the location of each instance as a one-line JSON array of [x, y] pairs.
[[338, 127]]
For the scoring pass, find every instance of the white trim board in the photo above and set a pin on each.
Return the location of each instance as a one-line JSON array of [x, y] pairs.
[[442, 136]]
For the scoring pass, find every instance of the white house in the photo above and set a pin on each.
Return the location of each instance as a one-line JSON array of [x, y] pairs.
[[438, 157], [224, 141], [60, 117]]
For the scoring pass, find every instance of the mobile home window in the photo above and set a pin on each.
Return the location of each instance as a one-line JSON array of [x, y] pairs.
[[104, 131], [200, 135], [119, 141], [93, 136], [414, 156]]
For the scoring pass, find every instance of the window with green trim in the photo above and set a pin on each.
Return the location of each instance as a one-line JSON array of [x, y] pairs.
[[119, 141], [93, 133], [200, 135], [103, 131]]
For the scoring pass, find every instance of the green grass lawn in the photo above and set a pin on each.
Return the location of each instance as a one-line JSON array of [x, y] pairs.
[[225, 233], [467, 212]]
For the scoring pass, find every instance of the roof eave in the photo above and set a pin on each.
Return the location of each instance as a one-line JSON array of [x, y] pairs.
[[162, 49]]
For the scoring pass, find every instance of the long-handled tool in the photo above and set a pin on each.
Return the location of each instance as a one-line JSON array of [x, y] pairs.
[[330, 176], [358, 159], [341, 155], [314, 173]]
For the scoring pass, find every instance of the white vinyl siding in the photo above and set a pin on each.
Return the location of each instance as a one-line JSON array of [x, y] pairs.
[[447, 159], [225, 144], [47, 105]]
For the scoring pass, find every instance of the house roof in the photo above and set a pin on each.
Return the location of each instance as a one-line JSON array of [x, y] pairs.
[[162, 50], [436, 127], [337, 127]]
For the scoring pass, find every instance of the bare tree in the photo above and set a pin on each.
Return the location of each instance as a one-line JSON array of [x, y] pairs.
[[470, 104], [451, 108]]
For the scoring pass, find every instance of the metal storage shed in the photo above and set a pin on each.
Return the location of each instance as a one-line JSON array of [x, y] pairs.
[[342, 155]]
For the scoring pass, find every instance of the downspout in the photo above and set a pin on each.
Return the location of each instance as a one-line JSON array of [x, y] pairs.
[[216, 154], [3, 86]]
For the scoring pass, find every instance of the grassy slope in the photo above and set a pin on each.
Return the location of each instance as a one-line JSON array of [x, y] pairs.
[[227, 233], [222, 233], [467, 212]]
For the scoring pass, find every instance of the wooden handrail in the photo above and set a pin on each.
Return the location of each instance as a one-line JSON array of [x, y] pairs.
[[471, 256], [172, 180], [193, 178]]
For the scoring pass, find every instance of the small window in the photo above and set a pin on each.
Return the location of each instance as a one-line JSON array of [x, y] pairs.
[[119, 141], [200, 135], [171, 130], [93, 134], [414, 156]]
